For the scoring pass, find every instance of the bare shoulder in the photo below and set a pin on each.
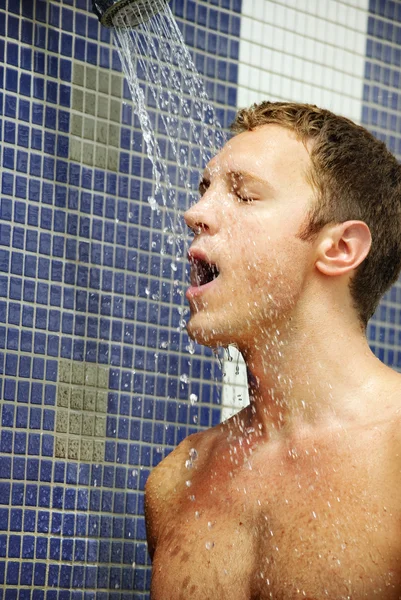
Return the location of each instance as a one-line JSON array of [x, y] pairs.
[[165, 477], [166, 483], [171, 472]]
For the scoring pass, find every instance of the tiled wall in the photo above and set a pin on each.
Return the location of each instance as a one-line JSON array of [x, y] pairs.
[[381, 114], [98, 380], [95, 372]]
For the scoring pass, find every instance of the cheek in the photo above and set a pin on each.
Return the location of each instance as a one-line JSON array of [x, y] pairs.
[[278, 269]]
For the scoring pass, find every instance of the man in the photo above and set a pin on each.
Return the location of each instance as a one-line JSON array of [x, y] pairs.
[[297, 236]]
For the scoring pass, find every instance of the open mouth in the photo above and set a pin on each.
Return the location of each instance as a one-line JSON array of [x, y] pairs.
[[202, 272]]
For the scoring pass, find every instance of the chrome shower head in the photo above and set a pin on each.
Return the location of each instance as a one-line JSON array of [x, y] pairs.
[[132, 12]]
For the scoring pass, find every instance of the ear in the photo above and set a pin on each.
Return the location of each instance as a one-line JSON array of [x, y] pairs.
[[343, 247]]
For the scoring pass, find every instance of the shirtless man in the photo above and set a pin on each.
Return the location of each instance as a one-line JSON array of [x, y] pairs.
[[297, 236]]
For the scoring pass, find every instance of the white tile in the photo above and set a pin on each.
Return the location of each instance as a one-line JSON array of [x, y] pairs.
[[246, 28]]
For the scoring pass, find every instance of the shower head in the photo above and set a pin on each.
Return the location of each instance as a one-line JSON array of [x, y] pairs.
[[132, 12]]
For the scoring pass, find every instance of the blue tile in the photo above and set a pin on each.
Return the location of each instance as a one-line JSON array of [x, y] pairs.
[[27, 32], [12, 573], [28, 546], [39, 574], [26, 574]]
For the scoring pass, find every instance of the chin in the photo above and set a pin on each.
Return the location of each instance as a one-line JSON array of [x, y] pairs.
[[202, 331]]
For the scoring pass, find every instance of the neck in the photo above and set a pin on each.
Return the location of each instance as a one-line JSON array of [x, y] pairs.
[[312, 375]]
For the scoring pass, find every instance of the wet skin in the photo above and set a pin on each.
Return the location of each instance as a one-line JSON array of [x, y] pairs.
[[310, 518], [298, 496]]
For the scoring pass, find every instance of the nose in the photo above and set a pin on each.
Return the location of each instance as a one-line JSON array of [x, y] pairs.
[[203, 216]]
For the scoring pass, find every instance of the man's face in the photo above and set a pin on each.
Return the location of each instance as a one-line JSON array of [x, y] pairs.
[[254, 200]]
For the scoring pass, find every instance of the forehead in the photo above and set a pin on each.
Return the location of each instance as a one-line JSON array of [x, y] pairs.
[[267, 151]]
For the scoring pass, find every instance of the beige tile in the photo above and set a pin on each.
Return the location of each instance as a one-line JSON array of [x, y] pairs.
[[112, 159], [101, 132], [76, 125], [103, 107], [86, 450], [75, 423], [104, 82], [98, 452], [100, 427], [115, 111], [75, 149], [91, 374], [63, 395], [62, 421], [89, 400], [88, 425], [78, 373], [76, 401], [78, 74], [101, 402], [90, 103], [114, 135], [87, 154], [77, 99], [64, 370], [91, 77], [89, 128], [116, 85], [100, 156], [73, 449], [103, 377], [61, 447]]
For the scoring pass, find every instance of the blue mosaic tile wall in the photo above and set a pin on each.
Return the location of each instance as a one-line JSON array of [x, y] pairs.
[[92, 393], [381, 114]]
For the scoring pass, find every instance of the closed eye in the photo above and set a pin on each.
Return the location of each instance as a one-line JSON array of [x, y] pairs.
[[243, 198], [241, 193]]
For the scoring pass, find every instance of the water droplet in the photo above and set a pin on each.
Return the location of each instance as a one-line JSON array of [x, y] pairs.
[[209, 545], [197, 515], [188, 483], [184, 378], [193, 454], [193, 399], [153, 202], [190, 348]]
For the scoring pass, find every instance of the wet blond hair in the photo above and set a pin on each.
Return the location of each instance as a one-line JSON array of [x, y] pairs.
[[354, 176]]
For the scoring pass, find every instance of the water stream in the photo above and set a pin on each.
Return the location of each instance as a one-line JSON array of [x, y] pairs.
[[155, 52]]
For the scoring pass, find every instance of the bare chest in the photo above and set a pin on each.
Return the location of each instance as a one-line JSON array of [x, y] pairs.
[[284, 532]]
